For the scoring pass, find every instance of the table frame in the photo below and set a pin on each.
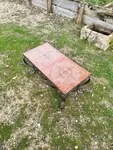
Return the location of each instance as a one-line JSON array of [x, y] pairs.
[[63, 96]]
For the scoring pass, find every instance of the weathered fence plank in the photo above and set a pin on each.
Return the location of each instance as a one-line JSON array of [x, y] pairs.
[[40, 3], [64, 12], [65, 4], [70, 5], [58, 10], [89, 20]]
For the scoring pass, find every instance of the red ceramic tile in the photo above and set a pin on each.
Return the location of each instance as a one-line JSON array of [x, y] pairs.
[[64, 84], [46, 48], [65, 62], [62, 71], [54, 56], [70, 78], [33, 54], [42, 63], [52, 72]]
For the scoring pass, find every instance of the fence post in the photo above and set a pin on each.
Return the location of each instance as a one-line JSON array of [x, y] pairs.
[[49, 6], [80, 14]]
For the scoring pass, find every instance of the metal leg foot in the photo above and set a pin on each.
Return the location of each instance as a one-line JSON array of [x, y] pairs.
[[31, 71], [80, 89]]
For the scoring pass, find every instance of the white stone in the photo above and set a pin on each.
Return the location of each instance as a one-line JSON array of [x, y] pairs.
[[104, 87], [76, 147], [7, 66], [39, 125]]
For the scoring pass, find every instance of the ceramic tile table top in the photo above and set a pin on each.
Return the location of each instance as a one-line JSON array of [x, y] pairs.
[[59, 69]]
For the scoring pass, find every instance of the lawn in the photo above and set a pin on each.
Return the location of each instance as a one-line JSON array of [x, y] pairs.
[[30, 117], [99, 2]]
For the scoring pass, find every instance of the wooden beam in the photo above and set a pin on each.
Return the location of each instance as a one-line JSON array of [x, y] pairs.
[[65, 4], [106, 12], [109, 5], [49, 6], [80, 14], [30, 2], [40, 3], [64, 12], [89, 21]]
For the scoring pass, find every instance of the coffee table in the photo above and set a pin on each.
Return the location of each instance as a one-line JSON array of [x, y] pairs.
[[62, 72]]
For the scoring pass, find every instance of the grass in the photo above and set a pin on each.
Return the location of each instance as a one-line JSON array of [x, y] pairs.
[[5, 132], [86, 122], [99, 2], [7, 129], [22, 144]]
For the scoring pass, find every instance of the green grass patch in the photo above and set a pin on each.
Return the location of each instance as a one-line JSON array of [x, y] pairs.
[[5, 132], [99, 2], [6, 129], [85, 115], [23, 144]]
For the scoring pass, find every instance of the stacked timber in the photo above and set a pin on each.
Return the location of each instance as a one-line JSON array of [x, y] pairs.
[[80, 12], [62, 7]]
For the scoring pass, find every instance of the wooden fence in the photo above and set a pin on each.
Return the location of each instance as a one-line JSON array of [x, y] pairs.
[[70, 9]]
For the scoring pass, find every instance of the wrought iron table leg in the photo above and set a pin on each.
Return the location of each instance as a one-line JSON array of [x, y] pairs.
[[52, 85], [32, 69], [80, 88], [86, 81], [48, 82], [27, 62]]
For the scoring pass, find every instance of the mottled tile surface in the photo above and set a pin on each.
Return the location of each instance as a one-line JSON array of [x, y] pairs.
[[59, 69]]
